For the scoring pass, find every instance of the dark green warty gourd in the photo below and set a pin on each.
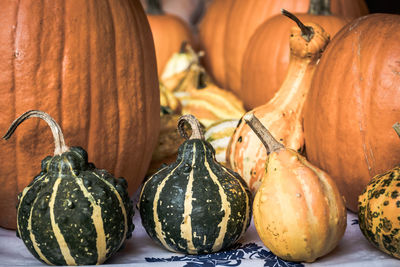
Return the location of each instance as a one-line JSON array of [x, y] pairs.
[[72, 213], [195, 205]]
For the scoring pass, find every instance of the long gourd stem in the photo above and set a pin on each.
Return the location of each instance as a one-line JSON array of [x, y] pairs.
[[194, 124], [307, 32], [270, 143], [396, 127], [320, 7], [59, 141], [154, 7]]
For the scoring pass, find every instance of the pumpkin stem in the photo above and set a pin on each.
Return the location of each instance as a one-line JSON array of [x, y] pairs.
[[270, 143], [307, 32], [194, 124], [154, 7], [59, 141], [183, 48], [396, 127], [320, 7]]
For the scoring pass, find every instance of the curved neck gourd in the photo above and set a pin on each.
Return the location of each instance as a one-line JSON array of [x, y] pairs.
[[60, 146], [306, 44]]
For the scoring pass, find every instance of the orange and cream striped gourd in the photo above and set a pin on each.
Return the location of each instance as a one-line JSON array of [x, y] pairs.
[[205, 100], [283, 113]]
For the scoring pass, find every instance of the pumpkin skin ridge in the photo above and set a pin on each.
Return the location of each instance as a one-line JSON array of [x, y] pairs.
[[368, 87], [33, 74]]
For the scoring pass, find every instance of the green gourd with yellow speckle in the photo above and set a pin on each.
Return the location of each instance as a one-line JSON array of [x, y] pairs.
[[72, 213], [195, 205], [379, 210]]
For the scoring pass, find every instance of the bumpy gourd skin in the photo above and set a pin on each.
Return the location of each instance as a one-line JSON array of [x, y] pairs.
[[379, 212], [72, 213], [195, 205]]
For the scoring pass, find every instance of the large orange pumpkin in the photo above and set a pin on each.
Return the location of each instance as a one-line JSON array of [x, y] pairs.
[[89, 64], [266, 59], [353, 103], [169, 31], [236, 20]]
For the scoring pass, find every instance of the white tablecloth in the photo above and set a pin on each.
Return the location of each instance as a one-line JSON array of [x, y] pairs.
[[140, 250]]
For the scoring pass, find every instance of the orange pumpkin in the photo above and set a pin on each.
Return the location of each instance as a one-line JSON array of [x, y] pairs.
[[212, 39], [266, 59], [229, 28], [89, 64], [353, 102], [169, 31], [282, 114]]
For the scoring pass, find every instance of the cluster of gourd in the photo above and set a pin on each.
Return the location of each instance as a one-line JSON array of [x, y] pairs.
[[325, 105], [311, 107]]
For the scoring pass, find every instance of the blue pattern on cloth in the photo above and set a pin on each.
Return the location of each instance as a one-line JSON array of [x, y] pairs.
[[232, 257]]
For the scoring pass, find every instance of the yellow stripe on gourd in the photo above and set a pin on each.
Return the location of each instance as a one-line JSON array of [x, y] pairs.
[[56, 230], [225, 206], [32, 236], [186, 226], [101, 244], [247, 218], [121, 205], [26, 189], [158, 226]]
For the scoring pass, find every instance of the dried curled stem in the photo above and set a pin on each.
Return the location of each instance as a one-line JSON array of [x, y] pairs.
[[307, 32], [59, 141], [194, 124]]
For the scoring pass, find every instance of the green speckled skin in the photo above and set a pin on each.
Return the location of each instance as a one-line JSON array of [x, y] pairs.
[[379, 212], [62, 199], [215, 192]]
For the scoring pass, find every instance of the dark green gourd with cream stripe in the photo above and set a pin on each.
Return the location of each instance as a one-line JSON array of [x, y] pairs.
[[195, 205], [72, 213]]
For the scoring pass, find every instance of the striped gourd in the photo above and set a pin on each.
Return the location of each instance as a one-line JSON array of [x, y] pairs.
[[218, 135], [207, 102], [195, 205], [72, 213]]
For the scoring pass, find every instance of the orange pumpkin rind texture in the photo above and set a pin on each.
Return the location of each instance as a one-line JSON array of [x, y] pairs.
[[91, 64]]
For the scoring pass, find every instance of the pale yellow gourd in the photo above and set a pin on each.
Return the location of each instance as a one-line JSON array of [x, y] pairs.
[[298, 211]]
